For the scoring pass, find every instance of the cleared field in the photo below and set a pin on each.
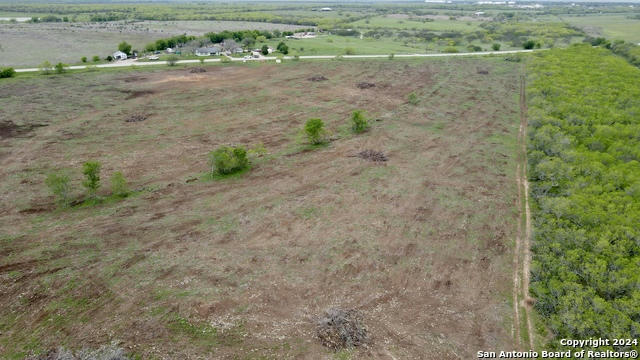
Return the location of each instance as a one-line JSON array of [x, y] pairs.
[[614, 27], [31, 44], [242, 267]]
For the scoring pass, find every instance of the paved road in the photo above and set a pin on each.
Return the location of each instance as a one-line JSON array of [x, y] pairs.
[[266, 58]]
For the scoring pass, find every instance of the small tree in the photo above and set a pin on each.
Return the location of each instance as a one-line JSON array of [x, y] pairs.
[[359, 122], [172, 60], [413, 99], [265, 50], [7, 73], [83, 59], [119, 185], [125, 47], [109, 58], [45, 68], [283, 48], [391, 56], [529, 44], [96, 58], [314, 128], [495, 46], [227, 160], [201, 61], [349, 51], [60, 68], [59, 184], [91, 170]]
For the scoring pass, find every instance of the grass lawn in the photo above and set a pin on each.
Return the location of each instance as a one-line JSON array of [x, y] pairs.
[[242, 267]]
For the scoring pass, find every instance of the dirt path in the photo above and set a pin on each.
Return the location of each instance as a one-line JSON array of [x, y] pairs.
[[521, 281], [273, 58]]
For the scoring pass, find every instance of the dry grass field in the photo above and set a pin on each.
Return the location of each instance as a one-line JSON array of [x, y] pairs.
[[27, 44], [242, 267]]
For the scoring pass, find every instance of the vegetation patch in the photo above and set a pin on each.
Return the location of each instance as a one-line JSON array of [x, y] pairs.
[[584, 164]]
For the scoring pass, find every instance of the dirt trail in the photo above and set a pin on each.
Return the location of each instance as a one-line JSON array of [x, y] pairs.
[[521, 281]]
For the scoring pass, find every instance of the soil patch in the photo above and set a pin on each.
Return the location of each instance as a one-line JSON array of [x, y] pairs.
[[372, 155], [10, 129], [137, 93], [198, 70], [136, 117], [317, 78], [365, 85]]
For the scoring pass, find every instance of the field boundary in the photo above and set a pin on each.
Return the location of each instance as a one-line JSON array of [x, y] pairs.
[[273, 58], [522, 254]]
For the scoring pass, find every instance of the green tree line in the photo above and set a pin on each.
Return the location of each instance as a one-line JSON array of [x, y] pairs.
[[584, 169]]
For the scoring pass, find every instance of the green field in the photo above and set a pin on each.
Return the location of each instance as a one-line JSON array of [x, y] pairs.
[[613, 27], [408, 24]]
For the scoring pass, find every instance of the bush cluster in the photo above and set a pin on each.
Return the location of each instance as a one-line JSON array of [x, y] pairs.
[[7, 73], [227, 160], [59, 183]]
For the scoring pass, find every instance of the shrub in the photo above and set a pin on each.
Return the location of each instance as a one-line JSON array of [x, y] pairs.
[[529, 44], [60, 185], [7, 73], [109, 58], [349, 51], [495, 47], [125, 47], [227, 160], [45, 68], [359, 122], [119, 185], [60, 68], [172, 60], [391, 56], [283, 48], [451, 49], [91, 170], [96, 58], [83, 59], [413, 99], [314, 128], [265, 50]]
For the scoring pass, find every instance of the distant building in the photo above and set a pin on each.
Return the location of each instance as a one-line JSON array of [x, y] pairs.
[[478, 13], [326, 9], [119, 55], [208, 51]]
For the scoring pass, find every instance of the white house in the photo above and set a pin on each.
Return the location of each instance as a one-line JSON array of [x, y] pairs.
[[208, 51], [119, 55], [326, 9]]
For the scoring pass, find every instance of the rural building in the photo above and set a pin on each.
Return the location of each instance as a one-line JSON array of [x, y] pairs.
[[326, 9], [208, 51], [119, 55]]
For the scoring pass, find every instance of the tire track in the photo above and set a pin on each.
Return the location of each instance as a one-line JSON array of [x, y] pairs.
[[523, 239]]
